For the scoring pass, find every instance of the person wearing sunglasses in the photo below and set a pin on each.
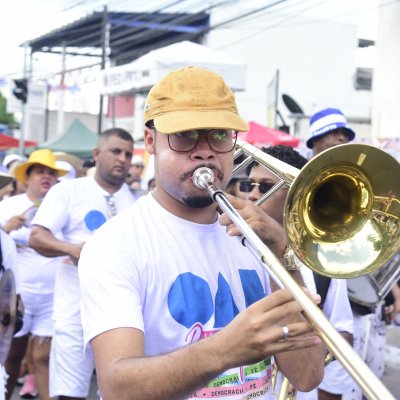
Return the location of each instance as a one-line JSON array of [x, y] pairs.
[[334, 298], [254, 188], [176, 307]]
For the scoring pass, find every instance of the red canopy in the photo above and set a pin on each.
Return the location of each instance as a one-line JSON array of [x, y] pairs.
[[262, 135], [9, 142]]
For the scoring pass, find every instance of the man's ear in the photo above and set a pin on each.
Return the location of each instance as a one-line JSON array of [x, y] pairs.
[[95, 153], [149, 140]]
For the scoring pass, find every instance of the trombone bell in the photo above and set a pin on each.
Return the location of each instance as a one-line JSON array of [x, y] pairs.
[[342, 211]]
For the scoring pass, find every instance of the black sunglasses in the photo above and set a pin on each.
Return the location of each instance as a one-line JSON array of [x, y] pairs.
[[248, 186]]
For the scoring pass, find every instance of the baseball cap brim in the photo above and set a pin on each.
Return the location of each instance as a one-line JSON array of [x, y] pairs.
[[178, 121]]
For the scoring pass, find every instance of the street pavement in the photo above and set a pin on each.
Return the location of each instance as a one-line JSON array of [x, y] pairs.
[[391, 379]]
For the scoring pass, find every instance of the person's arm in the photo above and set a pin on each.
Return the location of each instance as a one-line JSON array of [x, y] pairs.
[[396, 296], [292, 364], [14, 223], [125, 373], [392, 310], [52, 218], [44, 242], [273, 235]]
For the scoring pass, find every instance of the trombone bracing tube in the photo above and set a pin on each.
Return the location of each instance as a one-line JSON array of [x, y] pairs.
[[371, 386]]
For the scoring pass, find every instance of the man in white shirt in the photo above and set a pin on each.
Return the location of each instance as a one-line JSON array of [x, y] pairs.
[[167, 274], [76, 208]]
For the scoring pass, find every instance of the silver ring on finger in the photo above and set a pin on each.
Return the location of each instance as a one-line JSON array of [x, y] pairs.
[[285, 331]]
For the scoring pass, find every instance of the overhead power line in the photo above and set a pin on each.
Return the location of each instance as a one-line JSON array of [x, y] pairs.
[[81, 38], [139, 35], [279, 23]]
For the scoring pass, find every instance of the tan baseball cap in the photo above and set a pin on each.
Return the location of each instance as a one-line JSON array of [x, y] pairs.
[[192, 98]]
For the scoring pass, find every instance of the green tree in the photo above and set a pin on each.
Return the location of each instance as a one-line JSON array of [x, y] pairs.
[[5, 117]]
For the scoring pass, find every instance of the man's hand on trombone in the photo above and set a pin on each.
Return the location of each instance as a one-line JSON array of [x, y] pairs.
[[263, 330], [266, 228]]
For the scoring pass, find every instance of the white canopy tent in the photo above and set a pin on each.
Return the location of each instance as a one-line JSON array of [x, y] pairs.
[[140, 75]]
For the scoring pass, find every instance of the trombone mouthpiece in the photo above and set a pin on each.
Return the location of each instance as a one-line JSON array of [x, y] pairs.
[[202, 176]]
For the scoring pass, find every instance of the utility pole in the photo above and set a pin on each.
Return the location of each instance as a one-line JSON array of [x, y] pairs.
[[61, 94], [105, 39], [21, 92]]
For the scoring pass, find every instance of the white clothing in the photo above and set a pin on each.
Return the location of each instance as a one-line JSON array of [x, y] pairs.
[[337, 308], [3, 382], [37, 315], [9, 252], [70, 373], [75, 208], [373, 341], [9, 255], [175, 280], [369, 342], [37, 273]]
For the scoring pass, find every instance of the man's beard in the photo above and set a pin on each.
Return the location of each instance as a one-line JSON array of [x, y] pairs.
[[198, 201], [203, 200]]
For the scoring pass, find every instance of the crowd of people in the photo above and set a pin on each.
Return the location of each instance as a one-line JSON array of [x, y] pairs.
[[45, 356], [149, 286]]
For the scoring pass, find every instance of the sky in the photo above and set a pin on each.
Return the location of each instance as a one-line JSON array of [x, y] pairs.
[[37, 18], [22, 20]]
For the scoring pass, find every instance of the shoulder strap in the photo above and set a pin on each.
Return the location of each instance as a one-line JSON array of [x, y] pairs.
[[322, 283]]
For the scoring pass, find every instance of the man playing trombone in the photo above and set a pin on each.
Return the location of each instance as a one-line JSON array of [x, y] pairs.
[[176, 307]]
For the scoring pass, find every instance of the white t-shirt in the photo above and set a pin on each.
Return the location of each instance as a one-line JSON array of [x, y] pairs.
[[37, 273], [9, 252], [337, 307], [338, 310], [76, 208], [175, 280], [3, 382]]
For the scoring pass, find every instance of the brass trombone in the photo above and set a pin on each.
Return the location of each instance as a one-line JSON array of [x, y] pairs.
[[342, 220]]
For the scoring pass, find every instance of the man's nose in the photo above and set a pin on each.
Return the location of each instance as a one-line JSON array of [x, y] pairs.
[[255, 194], [203, 149], [342, 137]]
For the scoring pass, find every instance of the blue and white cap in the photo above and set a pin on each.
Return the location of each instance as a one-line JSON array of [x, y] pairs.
[[325, 121]]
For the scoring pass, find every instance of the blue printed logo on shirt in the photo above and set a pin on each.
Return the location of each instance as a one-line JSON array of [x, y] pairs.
[[190, 300]]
